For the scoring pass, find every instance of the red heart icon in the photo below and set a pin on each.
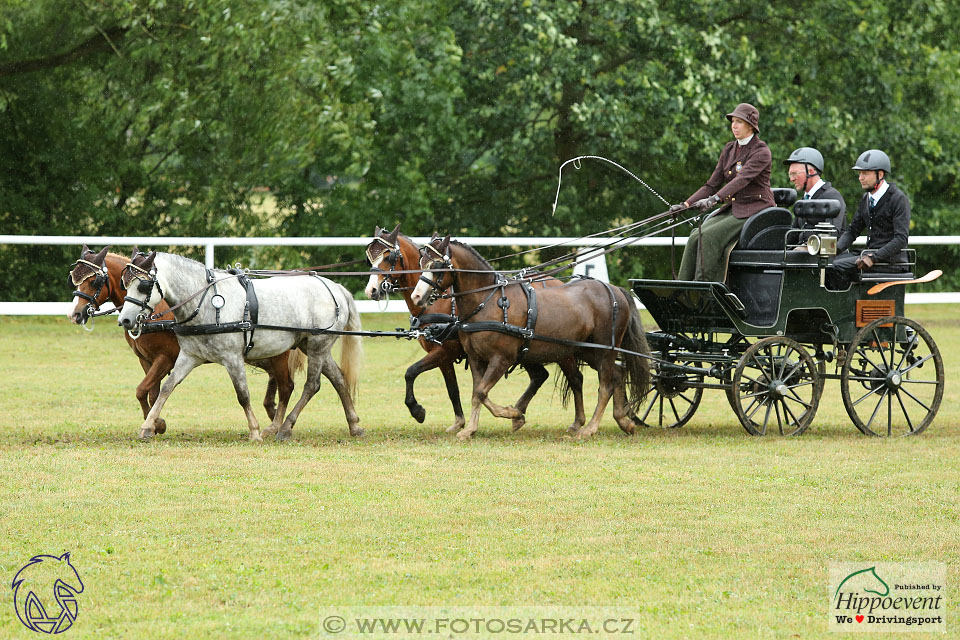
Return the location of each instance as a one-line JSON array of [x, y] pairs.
[[859, 618]]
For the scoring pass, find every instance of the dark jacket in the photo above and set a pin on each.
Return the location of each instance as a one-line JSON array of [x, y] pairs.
[[827, 192], [887, 226], [747, 190]]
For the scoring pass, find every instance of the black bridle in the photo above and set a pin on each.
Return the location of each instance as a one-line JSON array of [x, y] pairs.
[[439, 263], [146, 281], [393, 256], [101, 279]]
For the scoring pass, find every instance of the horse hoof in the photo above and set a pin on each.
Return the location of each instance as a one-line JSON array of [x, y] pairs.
[[573, 429], [455, 427], [463, 436], [419, 413], [146, 434], [283, 436], [255, 437], [161, 427], [357, 432], [519, 422]]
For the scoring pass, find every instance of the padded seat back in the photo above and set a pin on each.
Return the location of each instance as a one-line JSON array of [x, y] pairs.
[[766, 229]]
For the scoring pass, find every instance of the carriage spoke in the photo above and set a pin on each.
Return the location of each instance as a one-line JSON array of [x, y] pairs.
[[673, 407], [876, 409], [786, 410], [918, 363], [906, 415], [776, 409], [879, 344], [915, 399]]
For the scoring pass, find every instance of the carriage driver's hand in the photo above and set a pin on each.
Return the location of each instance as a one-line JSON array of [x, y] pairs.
[[865, 261], [679, 207], [706, 203]]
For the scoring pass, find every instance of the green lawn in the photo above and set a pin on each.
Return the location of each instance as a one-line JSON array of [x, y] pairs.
[[702, 531]]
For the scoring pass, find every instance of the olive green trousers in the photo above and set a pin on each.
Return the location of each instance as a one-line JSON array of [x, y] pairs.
[[712, 241]]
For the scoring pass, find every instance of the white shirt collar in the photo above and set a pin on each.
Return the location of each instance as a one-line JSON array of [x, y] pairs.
[[815, 187], [879, 192], [745, 141]]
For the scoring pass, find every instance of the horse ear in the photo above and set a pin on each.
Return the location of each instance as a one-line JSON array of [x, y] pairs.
[[85, 251], [136, 252], [99, 258], [147, 264], [377, 231], [392, 238], [434, 236], [444, 246]]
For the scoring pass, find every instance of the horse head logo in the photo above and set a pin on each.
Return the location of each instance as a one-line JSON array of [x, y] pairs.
[[32, 589], [865, 580]]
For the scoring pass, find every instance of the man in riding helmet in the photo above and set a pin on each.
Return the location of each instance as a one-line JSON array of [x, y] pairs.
[[884, 213], [805, 170], [741, 184]]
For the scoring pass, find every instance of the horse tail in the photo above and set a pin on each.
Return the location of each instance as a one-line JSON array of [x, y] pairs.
[[351, 351], [563, 384], [296, 361], [637, 369]]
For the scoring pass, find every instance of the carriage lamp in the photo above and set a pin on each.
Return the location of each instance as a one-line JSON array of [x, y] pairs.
[[824, 246]]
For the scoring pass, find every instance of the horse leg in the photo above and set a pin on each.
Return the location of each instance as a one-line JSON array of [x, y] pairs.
[[310, 387], [149, 388], [482, 384], [449, 371], [331, 371], [620, 413], [430, 361], [575, 382], [538, 375], [281, 383], [603, 397], [269, 398], [184, 365], [238, 375]]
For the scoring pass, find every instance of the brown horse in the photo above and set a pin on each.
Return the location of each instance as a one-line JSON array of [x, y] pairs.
[[392, 252], [582, 311], [96, 277]]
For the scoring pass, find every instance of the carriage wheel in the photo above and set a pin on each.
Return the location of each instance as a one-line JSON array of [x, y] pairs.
[[776, 388], [672, 401], [892, 378]]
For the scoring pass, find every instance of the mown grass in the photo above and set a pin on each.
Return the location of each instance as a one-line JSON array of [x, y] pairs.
[[704, 531]]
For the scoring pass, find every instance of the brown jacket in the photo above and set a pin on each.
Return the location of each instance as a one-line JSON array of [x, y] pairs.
[[747, 190]]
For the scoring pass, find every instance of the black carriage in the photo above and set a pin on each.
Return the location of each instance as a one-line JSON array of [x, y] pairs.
[[775, 332]]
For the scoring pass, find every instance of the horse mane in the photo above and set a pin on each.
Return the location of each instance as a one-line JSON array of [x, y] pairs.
[[473, 252]]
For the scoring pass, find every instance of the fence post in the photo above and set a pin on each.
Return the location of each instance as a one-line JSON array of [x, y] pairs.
[[208, 255]]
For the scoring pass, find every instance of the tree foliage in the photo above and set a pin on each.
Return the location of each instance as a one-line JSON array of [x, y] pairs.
[[148, 117]]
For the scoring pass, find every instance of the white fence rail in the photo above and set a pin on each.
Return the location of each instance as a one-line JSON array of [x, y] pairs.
[[364, 306]]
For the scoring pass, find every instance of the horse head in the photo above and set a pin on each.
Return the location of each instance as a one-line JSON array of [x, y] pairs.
[[383, 249], [144, 292], [435, 259], [38, 578], [91, 284]]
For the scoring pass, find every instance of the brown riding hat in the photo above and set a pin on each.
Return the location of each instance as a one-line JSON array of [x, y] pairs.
[[748, 113]]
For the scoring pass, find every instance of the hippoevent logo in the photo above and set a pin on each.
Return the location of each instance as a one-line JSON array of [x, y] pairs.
[[888, 596], [45, 594]]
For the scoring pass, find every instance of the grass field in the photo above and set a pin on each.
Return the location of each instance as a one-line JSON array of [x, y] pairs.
[[702, 531]]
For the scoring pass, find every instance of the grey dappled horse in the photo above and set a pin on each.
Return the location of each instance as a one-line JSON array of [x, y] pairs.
[[297, 301]]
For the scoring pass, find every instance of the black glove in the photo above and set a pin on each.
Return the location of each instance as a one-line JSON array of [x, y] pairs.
[[678, 207], [706, 203]]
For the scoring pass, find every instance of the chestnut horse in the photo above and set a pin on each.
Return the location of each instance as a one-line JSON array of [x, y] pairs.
[[394, 252], [96, 278], [582, 311]]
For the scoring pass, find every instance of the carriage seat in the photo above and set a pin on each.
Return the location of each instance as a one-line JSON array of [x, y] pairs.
[[899, 269], [767, 229], [817, 211]]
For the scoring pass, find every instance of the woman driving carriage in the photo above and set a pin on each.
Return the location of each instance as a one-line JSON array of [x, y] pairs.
[[741, 181]]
